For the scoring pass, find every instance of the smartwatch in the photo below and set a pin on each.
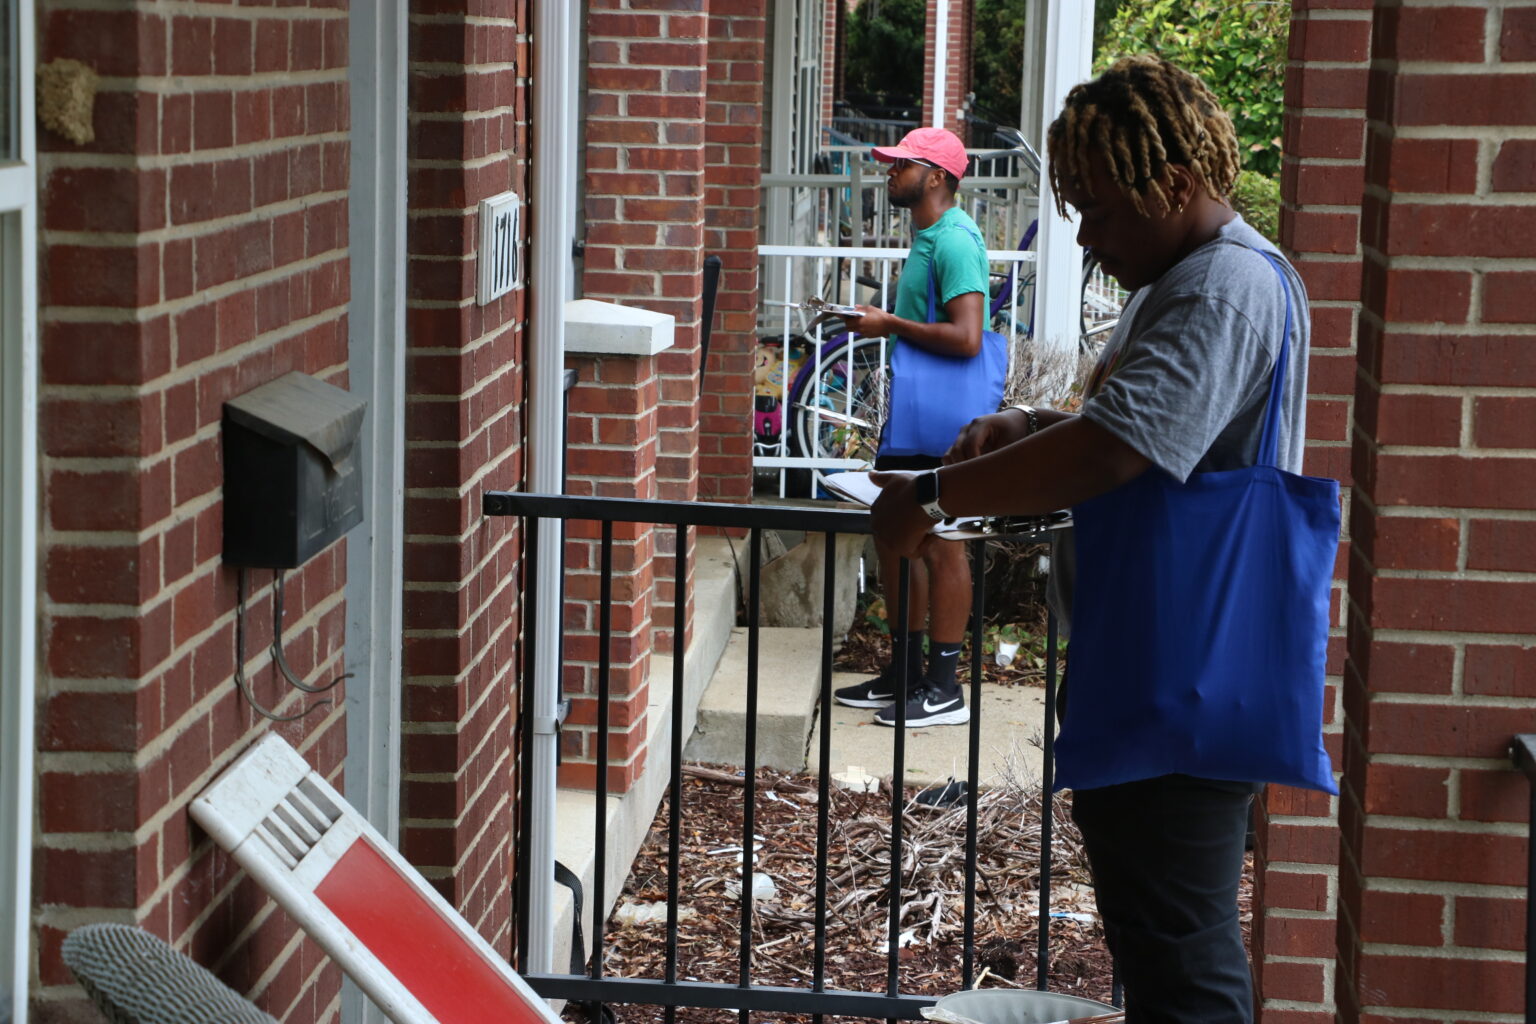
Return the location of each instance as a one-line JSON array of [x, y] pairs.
[[927, 485]]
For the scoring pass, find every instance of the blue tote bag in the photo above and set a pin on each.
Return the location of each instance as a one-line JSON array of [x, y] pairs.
[[1200, 623], [933, 396]]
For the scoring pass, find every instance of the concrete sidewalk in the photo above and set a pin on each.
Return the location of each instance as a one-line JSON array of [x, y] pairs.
[[789, 725], [1012, 724]]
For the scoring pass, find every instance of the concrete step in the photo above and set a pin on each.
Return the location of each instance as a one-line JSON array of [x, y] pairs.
[[789, 724], [789, 674]]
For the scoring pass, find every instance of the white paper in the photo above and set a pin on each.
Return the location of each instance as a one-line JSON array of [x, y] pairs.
[[856, 485]]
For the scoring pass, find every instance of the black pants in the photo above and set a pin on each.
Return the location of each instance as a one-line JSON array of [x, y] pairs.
[[1167, 856]]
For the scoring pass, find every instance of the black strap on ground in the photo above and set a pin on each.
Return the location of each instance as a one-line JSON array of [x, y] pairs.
[[596, 1013]]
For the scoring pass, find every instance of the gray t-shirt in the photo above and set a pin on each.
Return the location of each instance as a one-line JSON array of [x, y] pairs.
[[1189, 366]]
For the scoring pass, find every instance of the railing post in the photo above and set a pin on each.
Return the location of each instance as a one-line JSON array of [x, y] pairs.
[[1522, 751]]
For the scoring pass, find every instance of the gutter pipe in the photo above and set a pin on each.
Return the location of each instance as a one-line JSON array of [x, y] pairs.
[[552, 189]]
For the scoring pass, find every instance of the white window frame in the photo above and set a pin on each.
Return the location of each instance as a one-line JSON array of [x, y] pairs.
[[18, 520]]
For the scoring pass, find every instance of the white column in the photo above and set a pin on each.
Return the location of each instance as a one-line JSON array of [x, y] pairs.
[[18, 515], [376, 366], [1068, 60], [940, 63], [1034, 59]]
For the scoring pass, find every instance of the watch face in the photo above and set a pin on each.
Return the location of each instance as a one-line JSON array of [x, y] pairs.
[[927, 488]]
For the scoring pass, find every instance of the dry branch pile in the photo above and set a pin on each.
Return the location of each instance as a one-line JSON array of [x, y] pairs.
[[932, 911]]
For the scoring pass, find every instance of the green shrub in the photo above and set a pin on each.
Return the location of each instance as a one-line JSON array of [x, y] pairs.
[[1257, 198], [1238, 49]]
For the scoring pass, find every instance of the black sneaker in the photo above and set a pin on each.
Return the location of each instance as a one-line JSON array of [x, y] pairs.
[[878, 692], [947, 795], [929, 707]]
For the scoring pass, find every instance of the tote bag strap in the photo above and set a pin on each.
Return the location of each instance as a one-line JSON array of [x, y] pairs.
[[933, 293], [1269, 441]]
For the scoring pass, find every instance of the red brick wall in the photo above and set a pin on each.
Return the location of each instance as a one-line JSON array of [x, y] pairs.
[[1322, 184], [194, 250], [1442, 591], [733, 144], [467, 141], [645, 194], [637, 431]]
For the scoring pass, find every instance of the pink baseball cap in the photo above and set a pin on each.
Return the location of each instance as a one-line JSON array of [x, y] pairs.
[[939, 146]]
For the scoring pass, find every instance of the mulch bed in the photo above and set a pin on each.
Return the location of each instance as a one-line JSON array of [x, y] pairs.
[[1006, 930], [930, 954]]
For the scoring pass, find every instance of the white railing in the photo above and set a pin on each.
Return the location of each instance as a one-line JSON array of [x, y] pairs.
[[819, 391], [848, 204]]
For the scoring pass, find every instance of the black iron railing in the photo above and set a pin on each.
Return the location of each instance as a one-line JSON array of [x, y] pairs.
[[541, 512], [1522, 750]]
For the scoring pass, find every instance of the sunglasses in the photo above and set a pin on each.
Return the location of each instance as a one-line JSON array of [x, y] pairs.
[[900, 164]]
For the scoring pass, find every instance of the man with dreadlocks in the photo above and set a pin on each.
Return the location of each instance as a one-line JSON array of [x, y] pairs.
[[1146, 157]]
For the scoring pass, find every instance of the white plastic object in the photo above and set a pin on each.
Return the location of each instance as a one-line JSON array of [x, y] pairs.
[[402, 943], [855, 778], [635, 913]]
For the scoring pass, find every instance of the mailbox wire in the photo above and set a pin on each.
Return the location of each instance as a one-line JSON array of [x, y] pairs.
[[241, 681], [277, 644]]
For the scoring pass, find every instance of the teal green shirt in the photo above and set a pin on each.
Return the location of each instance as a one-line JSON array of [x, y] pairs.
[[952, 244]]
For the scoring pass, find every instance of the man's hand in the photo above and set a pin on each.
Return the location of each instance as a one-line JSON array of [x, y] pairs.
[[900, 522], [987, 434], [872, 322]]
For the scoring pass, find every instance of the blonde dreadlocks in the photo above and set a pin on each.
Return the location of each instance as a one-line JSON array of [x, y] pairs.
[[1141, 115]]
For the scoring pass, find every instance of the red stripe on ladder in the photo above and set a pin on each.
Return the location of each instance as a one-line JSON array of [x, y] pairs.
[[426, 953]]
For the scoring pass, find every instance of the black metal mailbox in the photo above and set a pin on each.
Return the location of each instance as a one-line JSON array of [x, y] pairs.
[[292, 484]]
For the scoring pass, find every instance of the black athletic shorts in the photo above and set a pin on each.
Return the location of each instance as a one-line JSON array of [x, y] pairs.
[[915, 463]]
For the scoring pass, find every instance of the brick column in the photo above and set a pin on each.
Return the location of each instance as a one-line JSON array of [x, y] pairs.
[[832, 15], [467, 141], [611, 434], [194, 250], [645, 211], [733, 153], [1442, 595], [958, 67], [1322, 183]]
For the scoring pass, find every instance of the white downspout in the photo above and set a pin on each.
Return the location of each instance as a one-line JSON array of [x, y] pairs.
[[552, 191], [21, 539], [940, 63]]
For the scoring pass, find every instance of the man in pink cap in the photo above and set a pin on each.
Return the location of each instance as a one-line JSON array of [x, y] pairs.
[[940, 308]]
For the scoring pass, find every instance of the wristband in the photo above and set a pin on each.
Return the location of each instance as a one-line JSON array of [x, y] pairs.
[[1034, 417], [927, 493]]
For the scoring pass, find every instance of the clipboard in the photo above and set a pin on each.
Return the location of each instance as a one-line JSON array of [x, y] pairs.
[[824, 311], [856, 486]]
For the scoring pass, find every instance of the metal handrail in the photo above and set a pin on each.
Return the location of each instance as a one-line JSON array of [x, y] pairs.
[[594, 988], [1522, 752]]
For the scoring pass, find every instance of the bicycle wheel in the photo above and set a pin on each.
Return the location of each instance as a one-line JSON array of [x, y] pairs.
[[1103, 298], [839, 405]]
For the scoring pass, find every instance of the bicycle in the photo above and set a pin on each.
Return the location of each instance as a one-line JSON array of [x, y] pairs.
[[838, 396]]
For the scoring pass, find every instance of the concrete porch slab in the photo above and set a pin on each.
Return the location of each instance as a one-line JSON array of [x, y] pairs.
[[789, 726]]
